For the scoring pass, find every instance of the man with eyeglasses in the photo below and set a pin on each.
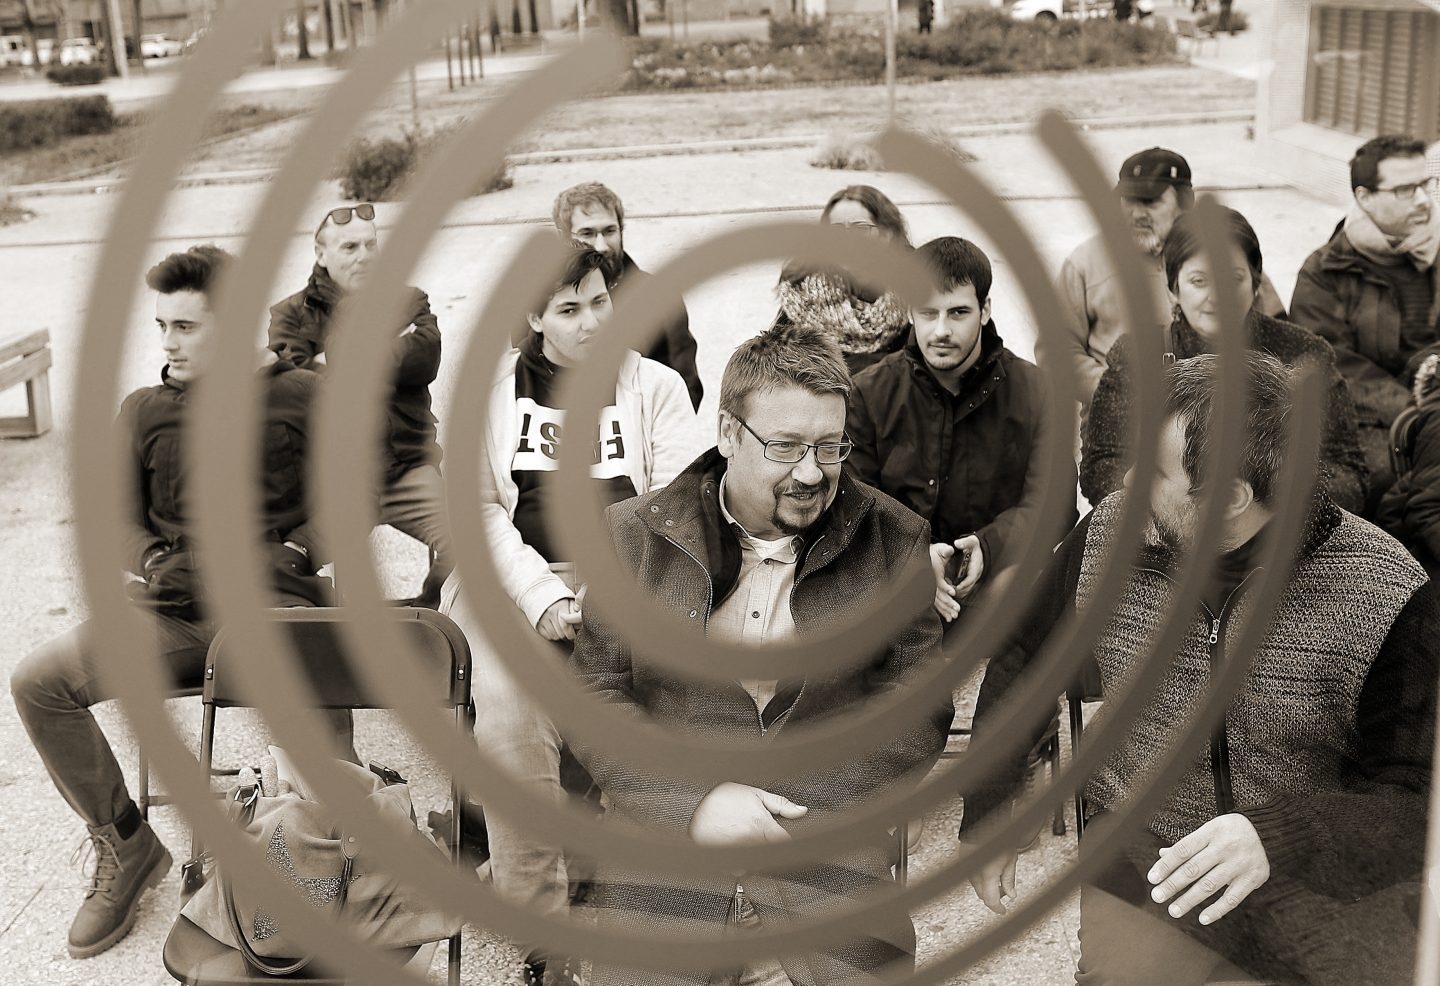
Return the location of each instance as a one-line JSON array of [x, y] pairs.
[[765, 539], [592, 216], [412, 490], [951, 426], [1371, 290]]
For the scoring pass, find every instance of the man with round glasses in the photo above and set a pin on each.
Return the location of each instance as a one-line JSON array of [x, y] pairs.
[[765, 539], [1373, 290], [412, 491]]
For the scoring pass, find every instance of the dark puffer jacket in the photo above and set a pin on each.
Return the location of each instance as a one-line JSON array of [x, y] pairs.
[[682, 552], [1108, 432], [1410, 510], [299, 326], [968, 462], [152, 423]]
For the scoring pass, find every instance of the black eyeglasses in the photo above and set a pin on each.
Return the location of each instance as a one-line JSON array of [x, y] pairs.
[[783, 450], [345, 213], [1430, 186]]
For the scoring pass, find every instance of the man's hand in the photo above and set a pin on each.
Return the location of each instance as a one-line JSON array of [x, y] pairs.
[[945, 604], [558, 622], [996, 880], [734, 814], [1224, 852], [974, 568]]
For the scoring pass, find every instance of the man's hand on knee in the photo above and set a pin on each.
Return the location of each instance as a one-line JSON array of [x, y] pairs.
[[1226, 853], [732, 814], [995, 881]]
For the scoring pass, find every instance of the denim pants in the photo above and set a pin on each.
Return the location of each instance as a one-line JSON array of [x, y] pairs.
[[415, 505], [56, 685], [765, 971], [516, 732]]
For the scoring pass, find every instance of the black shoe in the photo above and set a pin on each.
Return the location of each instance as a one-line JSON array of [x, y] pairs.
[[124, 869], [538, 971], [475, 843]]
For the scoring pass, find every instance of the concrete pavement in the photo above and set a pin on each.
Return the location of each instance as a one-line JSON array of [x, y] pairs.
[[673, 204]]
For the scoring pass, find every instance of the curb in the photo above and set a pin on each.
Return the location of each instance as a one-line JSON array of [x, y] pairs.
[[257, 175]]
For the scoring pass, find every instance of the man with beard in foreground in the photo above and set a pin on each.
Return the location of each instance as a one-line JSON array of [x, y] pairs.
[[1291, 845], [1154, 189], [764, 539]]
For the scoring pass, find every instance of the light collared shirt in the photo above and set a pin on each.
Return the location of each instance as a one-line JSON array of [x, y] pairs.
[[758, 610]]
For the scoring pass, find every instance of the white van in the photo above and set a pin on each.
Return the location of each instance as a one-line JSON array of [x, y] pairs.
[[1053, 10], [12, 47]]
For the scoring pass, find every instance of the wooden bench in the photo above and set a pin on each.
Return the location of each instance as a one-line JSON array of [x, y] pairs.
[[27, 360], [1190, 31]]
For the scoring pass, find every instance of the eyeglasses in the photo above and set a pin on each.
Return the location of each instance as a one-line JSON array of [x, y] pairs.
[[345, 213], [783, 450], [1430, 186]]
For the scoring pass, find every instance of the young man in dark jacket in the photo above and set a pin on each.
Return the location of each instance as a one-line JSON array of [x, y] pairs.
[[412, 494], [1373, 290], [952, 425], [1306, 804], [55, 687], [593, 216]]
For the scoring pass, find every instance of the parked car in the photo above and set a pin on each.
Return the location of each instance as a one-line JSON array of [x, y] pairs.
[[159, 46], [45, 47], [78, 51], [1053, 10]]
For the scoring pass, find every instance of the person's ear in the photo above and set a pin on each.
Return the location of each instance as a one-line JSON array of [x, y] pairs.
[[536, 325], [725, 434], [985, 311], [1242, 497]]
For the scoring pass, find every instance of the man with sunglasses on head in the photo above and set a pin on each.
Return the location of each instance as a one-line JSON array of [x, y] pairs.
[[412, 491], [764, 539], [1373, 290]]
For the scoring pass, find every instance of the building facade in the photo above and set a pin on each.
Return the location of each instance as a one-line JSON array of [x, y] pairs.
[[1344, 71]]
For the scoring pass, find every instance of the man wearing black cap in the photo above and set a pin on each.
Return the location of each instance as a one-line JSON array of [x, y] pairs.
[[1154, 188]]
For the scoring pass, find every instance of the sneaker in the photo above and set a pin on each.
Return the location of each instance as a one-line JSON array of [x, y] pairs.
[[123, 870]]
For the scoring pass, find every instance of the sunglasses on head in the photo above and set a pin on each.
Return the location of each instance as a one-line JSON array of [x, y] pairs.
[[345, 213]]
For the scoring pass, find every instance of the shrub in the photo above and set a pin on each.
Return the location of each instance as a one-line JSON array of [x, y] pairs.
[[12, 212], [75, 75], [1210, 20], [791, 32], [857, 152], [38, 123], [377, 170]]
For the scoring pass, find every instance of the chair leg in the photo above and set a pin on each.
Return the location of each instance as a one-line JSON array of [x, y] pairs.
[[1057, 825], [457, 834], [902, 846], [143, 799]]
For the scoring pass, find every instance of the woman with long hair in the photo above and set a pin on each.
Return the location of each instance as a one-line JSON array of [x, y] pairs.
[[1195, 329], [866, 322]]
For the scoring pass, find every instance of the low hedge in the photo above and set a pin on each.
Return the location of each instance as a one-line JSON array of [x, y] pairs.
[[41, 122], [76, 75], [980, 41], [377, 170]]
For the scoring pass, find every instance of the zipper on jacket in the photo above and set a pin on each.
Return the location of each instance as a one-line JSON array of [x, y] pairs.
[[710, 598]]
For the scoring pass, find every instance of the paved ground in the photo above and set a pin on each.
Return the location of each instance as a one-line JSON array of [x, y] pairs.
[[673, 204]]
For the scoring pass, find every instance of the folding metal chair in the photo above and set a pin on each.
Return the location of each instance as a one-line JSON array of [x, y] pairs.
[[193, 957]]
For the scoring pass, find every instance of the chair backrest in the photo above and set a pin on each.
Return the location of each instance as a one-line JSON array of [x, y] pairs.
[[1402, 441], [317, 637]]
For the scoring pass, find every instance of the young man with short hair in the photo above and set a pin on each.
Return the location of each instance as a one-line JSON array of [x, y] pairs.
[[412, 493], [1373, 290], [593, 216], [952, 426], [55, 686], [646, 435]]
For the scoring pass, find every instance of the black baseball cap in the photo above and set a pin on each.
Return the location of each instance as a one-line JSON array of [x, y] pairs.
[[1146, 175]]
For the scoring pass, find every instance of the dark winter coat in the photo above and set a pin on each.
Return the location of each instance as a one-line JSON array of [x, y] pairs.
[[299, 326], [688, 558], [1109, 431], [1345, 299], [968, 462], [675, 346], [152, 422], [1410, 509]]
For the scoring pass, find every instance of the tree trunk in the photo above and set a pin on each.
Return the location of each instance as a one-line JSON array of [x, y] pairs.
[[616, 14], [137, 19], [534, 18], [516, 28], [302, 32], [328, 22]]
